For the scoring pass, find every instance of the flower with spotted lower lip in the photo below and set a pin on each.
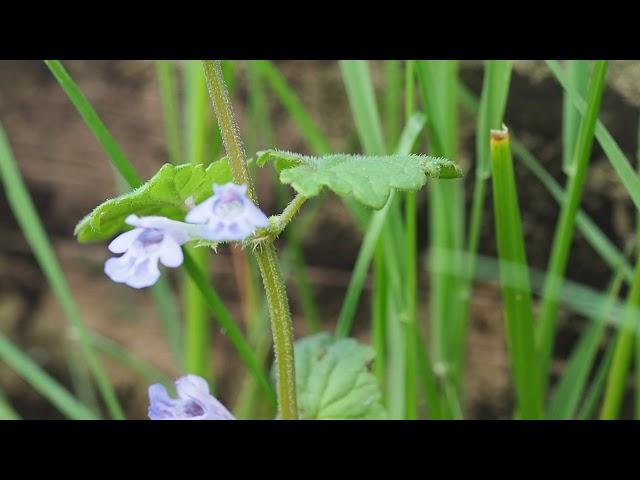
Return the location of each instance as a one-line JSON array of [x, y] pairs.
[[228, 215], [154, 239], [194, 402]]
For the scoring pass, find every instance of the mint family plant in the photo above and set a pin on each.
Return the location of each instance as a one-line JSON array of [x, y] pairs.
[[176, 208]]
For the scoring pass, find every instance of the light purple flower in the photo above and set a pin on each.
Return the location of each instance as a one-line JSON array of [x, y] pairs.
[[227, 215], [154, 239], [194, 402]]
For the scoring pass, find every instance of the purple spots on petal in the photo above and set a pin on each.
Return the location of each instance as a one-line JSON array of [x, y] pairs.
[[194, 402], [150, 236], [193, 409]]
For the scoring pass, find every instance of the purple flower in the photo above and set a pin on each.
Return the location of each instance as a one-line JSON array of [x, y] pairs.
[[153, 239], [194, 402], [227, 215]]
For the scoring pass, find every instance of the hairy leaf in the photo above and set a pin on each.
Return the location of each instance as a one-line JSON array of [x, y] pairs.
[[164, 194], [333, 380], [368, 179]]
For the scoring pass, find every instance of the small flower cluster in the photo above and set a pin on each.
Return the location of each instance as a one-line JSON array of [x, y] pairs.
[[228, 215]]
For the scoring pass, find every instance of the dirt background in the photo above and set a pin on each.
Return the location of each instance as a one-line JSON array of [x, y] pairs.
[[67, 174]]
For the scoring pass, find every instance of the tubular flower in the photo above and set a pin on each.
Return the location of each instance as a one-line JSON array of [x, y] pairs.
[[154, 239], [194, 402], [228, 215]]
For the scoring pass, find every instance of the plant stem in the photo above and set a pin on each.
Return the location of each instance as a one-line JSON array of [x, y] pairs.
[[228, 126], [282, 328], [287, 215]]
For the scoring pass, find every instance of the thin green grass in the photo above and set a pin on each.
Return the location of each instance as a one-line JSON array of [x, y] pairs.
[[518, 306], [569, 390], [438, 81], [493, 101], [31, 226], [617, 379], [198, 334], [563, 235], [7, 412], [578, 77], [165, 71], [43, 383], [614, 153], [592, 233]]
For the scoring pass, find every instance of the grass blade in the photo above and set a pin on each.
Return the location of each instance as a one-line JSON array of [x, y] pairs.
[[127, 358], [43, 382], [578, 77], [493, 101], [597, 385], [622, 356], [516, 292], [566, 223], [7, 412], [27, 217], [367, 248], [197, 327], [438, 82], [359, 87], [596, 238], [94, 123], [288, 98], [566, 398], [614, 153], [392, 100], [166, 82]]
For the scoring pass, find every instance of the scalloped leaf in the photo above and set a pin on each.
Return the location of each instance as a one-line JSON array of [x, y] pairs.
[[334, 381], [368, 179], [164, 194]]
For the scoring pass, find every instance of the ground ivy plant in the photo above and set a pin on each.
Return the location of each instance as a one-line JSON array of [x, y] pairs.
[[319, 377]]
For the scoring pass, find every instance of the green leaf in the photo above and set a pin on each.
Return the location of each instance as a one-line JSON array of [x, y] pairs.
[[334, 381], [368, 179], [164, 194]]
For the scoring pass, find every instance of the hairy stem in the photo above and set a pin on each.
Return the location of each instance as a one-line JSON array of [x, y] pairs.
[[281, 326]]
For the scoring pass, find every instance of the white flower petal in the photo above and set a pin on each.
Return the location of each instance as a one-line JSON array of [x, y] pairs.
[[132, 220], [191, 386], [171, 253], [256, 216], [201, 213], [122, 242], [144, 273], [117, 269]]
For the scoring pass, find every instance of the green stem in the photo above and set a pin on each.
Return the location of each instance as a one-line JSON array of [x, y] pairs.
[[282, 328], [280, 222], [228, 126]]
